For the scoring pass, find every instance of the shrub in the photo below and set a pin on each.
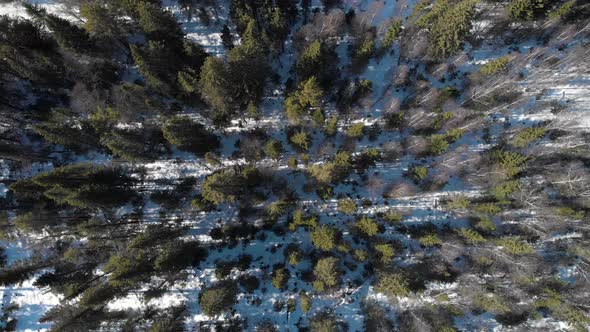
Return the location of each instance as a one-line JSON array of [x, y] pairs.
[[300, 220], [418, 173], [511, 162], [438, 144], [526, 10], [332, 125], [430, 240], [458, 203], [454, 135], [393, 285], [470, 236], [276, 209], [273, 149], [495, 66], [292, 162], [368, 226], [487, 209], [563, 11], [392, 216], [515, 245], [503, 190], [526, 136], [346, 205], [280, 278], [568, 212], [324, 237], [560, 309], [305, 302], [485, 225], [228, 184], [364, 51], [356, 130], [318, 117], [301, 140], [217, 299], [385, 252], [492, 303], [392, 33], [294, 257], [360, 255]]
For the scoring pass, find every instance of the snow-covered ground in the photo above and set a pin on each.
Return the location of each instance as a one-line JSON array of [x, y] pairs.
[[572, 88]]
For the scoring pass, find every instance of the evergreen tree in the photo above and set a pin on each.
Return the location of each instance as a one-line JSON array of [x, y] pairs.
[[324, 237], [320, 60], [327, 274], [189, 135], [67, 35], [227, 39], [218, 298], [450, 28]]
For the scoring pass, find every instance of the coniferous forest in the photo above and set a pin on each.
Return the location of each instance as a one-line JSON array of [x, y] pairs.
[[295, 165]]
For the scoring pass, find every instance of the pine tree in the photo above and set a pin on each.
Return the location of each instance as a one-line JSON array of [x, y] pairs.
[[273, 149], [67, 35], [227, 39], [326, 273], [324, 238], [189, 135], [217, 299], [450, 28], [214, 86]]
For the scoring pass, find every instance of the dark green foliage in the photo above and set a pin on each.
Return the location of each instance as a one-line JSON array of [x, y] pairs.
[[100, 21], [157, 23], [320, 60], [218, 298], [135, 145], [62, 128], [86, 186], [18, 271], [325, 322], [171, 319], [29, 53], [153, 62], [511, 162], [230, 184], [564, 11], [273, 149], [450, 28], [190, 136], [527, 10], [226, 38], [228, 86], [67, 35], [177, 255], [129, 268], [526, 136]]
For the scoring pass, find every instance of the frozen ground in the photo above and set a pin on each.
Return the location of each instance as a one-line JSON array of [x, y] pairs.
[[572, 87]]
